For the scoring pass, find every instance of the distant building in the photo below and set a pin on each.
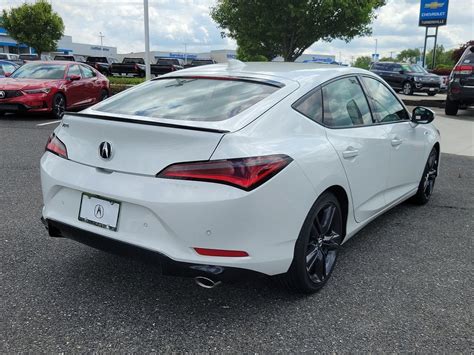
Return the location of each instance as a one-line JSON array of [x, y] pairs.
[[65, 46], [220, 56]]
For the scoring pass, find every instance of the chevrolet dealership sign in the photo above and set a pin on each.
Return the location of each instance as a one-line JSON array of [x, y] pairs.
[[433, 13]]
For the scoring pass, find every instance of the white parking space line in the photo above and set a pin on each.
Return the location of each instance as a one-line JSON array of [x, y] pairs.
[[47, 123]]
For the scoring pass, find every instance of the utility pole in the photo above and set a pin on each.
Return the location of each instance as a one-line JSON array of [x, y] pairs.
[[147, 40], [185, 53], [101, 43], [391, 54]]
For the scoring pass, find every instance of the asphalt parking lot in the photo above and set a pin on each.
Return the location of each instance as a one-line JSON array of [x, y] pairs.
[[404, 283]]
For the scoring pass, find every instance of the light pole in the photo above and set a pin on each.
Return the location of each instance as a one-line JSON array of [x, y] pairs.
[[147, 40], [101, 43], [376, 43]]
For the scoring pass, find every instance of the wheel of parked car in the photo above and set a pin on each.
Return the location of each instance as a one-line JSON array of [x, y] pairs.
[[59, 106], [451, 107], [316, 248], [408, 88], [426, 186], [104, 94]]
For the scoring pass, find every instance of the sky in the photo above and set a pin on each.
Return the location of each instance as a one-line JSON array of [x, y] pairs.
[[174, 23]]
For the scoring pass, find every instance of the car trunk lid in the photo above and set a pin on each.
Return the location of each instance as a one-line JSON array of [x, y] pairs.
[[137, 147]]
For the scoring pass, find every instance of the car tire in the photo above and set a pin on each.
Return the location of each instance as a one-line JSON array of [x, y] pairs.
[[407, 88], [59, 106], [104, 94], [451, 107], [316, 248], [426, 186]]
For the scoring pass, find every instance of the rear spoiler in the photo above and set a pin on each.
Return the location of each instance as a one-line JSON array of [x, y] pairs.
[[149, 123]]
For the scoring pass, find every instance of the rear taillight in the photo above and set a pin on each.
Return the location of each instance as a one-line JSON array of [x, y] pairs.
[[55, 146], [243, 173], [462, 69]]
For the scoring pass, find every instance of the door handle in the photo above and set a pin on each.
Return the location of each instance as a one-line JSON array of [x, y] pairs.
[[396, 142], [350, 153]]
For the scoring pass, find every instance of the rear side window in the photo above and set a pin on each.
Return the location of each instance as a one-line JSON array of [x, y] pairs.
[[468, 59], [386, 106], [88, 72], [190, 99], [345, 104], [311, 105]]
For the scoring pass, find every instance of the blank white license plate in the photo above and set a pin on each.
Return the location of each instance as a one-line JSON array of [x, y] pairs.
[[432, 89], [100, 212]]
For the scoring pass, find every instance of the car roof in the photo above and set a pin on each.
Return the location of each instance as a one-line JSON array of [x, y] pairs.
[[279, 71]]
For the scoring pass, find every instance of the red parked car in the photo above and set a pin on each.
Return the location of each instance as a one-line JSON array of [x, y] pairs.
[[52, 87]]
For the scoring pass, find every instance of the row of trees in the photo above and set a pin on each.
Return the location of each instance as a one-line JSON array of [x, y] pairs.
[[444, 58]]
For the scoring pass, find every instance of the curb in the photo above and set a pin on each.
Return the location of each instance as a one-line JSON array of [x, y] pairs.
[[426, 103]]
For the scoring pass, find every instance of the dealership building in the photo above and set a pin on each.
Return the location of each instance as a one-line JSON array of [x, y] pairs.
[[220, 56], [65, 46]]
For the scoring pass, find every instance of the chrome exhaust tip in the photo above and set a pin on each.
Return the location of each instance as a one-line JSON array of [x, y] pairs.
[[204, 282]]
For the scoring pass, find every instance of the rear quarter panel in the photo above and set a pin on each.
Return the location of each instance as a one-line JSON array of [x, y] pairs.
[[282, 130]]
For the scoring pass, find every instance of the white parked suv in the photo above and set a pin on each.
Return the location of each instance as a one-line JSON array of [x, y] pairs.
[[227, 171]]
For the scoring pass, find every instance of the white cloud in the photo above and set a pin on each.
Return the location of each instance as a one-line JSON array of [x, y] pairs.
[[176, 22]]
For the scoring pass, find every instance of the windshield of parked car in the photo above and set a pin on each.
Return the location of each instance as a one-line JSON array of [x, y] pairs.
[[190, 99], [40, 71], [97, 59], [6, 68], [413, 68]]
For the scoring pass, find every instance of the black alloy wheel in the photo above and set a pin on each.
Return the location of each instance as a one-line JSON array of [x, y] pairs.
[[104, 94], [317, 246], [59, 106], [426, 186]]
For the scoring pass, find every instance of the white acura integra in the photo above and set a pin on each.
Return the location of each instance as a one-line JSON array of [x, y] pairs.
[[222, 172]]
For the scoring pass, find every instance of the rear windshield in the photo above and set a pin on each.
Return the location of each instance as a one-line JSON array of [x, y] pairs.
[[97, 59], [40, 71], [468, 59], [190, 99], [28, 56], [64, 57]]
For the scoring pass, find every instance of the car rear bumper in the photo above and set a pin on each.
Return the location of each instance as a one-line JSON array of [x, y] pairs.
[[168, 266], [172, 217], [460, 93]]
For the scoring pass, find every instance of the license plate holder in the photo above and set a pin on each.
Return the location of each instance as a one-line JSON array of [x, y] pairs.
[[99, 211]]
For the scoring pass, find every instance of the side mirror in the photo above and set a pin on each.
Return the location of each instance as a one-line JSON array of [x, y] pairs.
[[74, 77], [7, 75], [422, 115]]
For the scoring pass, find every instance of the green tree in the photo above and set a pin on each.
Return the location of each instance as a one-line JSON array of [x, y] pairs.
[[35, 25], [363, 62], [288, 27], [249, 54], [409, 55], [457, 53], [386, 59], [443, 57]]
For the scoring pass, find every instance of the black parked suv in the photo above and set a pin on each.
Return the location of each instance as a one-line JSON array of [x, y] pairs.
[[408, 78], [461, 84]]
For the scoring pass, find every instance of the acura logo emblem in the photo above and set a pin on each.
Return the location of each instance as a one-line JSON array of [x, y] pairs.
[[105, 150], [2, 94], [99, 211]]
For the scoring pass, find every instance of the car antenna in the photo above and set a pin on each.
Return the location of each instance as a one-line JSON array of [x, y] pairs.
[[235, 64]]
